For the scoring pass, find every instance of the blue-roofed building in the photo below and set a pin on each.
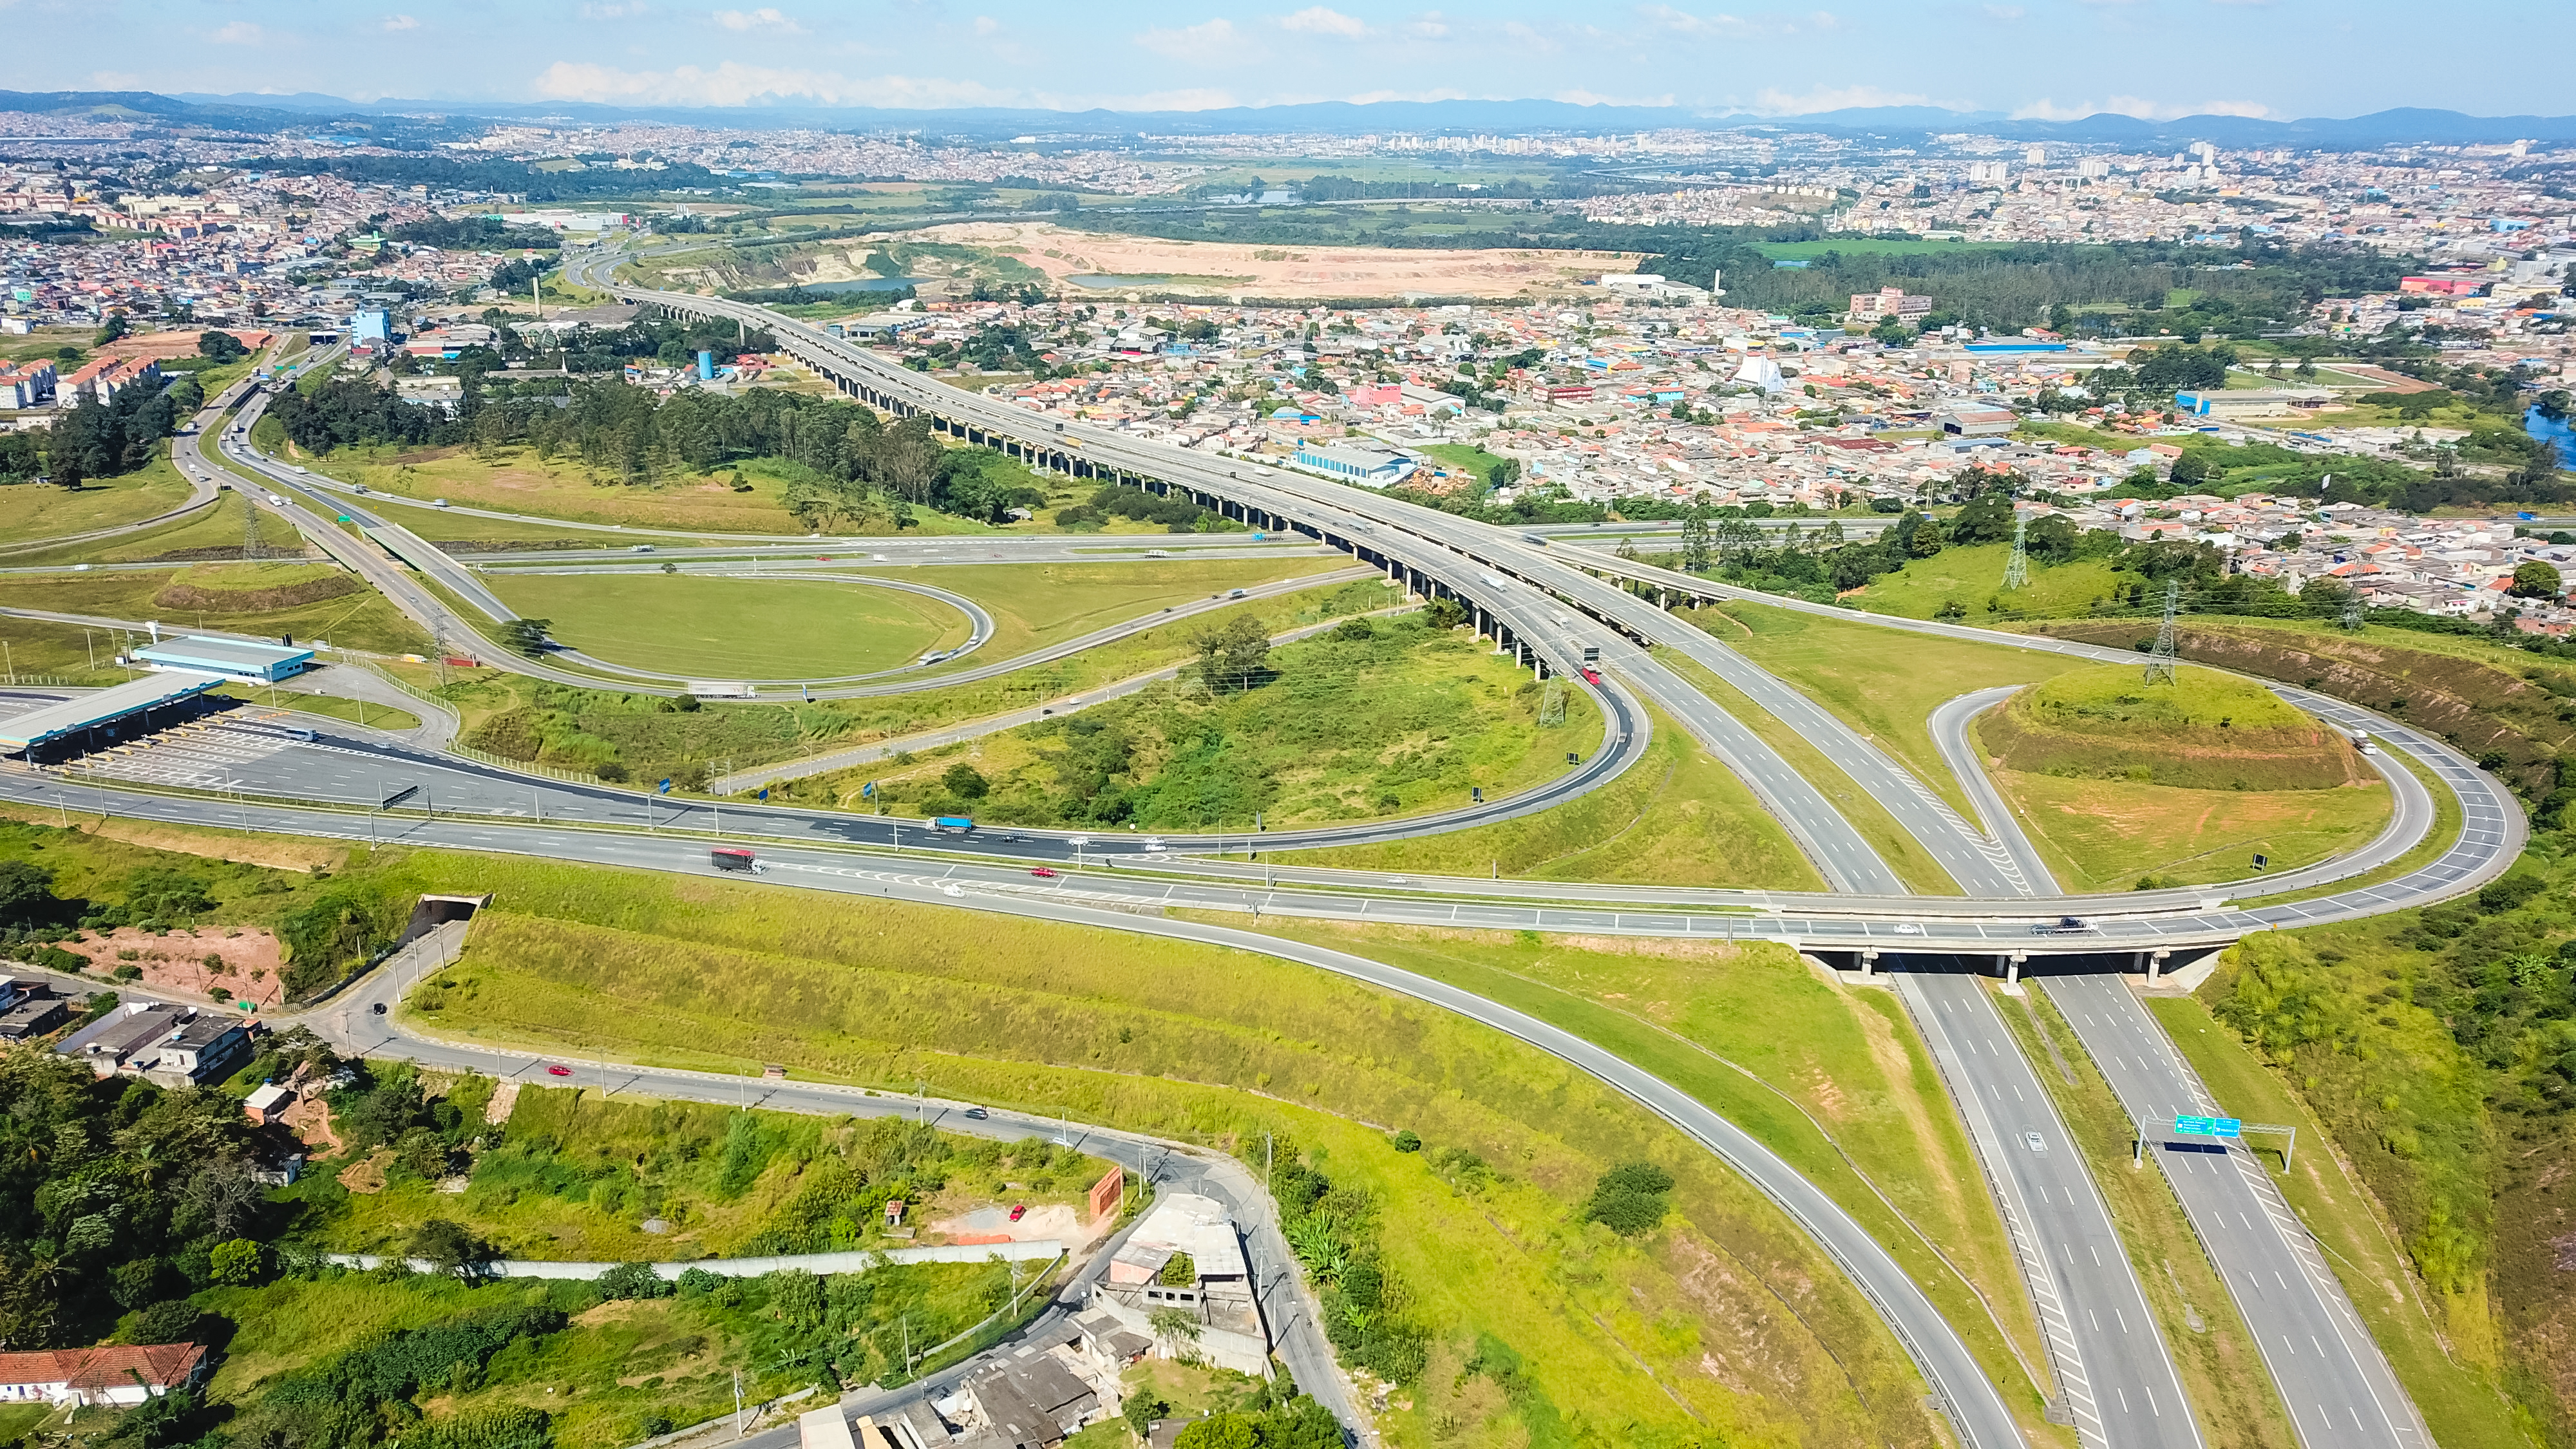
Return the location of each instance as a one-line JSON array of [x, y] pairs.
[[1376, 467], [232, 658]]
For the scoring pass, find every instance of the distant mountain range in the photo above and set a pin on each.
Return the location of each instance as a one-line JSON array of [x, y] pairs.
[[277, 112]]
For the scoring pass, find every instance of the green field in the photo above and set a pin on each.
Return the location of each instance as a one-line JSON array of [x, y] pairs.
[[2110, 834], [1971, 576], [1883, 682], [1872, 246], [1904, 854], [1157, 1035], [1676, 817], [362, 620], [718, 628], [1400, 720], [1034, 605], [32, 512], [329, 706]]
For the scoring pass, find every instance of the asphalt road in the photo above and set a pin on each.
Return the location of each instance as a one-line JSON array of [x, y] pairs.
[[1950, 733], [2113, 1368], [2334, 1380]]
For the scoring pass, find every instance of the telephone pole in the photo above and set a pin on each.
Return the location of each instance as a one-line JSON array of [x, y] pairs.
[[2017, 568], [2160, 660]]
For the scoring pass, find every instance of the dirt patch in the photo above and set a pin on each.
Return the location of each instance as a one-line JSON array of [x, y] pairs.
[[994, 1225], [246, 963], [309, 1118], [366, 1176], [178, 595], [1225, 269]]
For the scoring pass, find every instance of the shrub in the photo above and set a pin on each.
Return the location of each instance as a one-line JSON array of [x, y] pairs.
[[634, 1280], [1408, 1140], [1630, 1199]]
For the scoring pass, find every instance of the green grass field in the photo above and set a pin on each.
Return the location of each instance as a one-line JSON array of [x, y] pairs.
[[1904, 855], [1402, 721], [30, 512], [1971, 576], [1034, 605], [218, 526], [329, 706], [2108, 834], [1159, 1036], [2445, 1359], [1883, 682], [355, 621], [1676, 817], [717, 628]]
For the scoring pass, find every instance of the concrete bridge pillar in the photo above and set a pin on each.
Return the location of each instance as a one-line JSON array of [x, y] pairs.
[[1868, 962], [2155, 964], [2012, 970]]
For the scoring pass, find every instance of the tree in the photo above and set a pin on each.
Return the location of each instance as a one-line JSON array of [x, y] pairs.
[[528, 636], [1695, 551], [1140, 1411], [236, 1264], [1173, 1327], [1220, 1431], [2533, 579], [1234, 656], [965, 782], [2189, 469], [221, 346]]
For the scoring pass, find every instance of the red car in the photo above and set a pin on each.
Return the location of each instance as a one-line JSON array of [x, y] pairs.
[[1590, 675], [555, 1071], [1043, 873], [1019, 1210]]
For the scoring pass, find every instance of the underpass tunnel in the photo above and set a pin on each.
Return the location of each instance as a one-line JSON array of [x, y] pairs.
[[2011, 962]]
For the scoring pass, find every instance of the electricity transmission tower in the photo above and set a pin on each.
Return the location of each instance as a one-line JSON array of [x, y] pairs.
[[2352, 611], [1551, 705], [252, 548], [2160, 660], [2017, 568]]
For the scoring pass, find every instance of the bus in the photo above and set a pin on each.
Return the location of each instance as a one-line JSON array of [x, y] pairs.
[[953, 825], [732, 857]]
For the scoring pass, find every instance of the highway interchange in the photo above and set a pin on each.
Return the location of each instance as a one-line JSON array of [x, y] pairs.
[[1545, 602]]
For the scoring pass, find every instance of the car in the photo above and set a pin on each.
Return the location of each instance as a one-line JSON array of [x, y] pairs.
[[1153, 842], [438, 503], [2034, 1142], [1908, 928], [976, 1113], [951, 888], [2062, 926], [1019, 1210], [641, 548], [1044, 872], [1590, 674], [378, 1008], [555, 1070]]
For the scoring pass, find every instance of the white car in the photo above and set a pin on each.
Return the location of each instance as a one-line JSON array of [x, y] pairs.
[[2034, 1142], [951, 888]]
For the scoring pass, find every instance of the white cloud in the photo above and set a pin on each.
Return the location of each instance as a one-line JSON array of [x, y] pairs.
[[116, 80], [767, 17], [1317, 20], [240, 32], [1209, 40], [401, 22], [2005, 12], [1682, 22], [1589, 98], [987, 25], [2138, 107], [1825, 20], [735, 84], [1430, 25], [1847, 98]]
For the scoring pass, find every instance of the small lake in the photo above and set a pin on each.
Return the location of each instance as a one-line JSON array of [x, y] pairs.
[[2559, 435]]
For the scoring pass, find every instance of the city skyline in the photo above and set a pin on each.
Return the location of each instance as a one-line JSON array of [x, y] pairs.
[[2153, 59]]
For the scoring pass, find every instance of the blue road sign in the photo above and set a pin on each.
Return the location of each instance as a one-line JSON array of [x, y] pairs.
[[2209, 1126]]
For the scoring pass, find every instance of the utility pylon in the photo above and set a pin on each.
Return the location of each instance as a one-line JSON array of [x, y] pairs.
[[2160, 660], [1551, 705], [252, 548], [2017, 568], [2352, 611]]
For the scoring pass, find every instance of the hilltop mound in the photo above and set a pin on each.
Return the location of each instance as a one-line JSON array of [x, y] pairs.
[[2205, 731], [251, 588]]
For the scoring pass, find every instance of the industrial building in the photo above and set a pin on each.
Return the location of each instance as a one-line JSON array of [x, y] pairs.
[[109, 712], [232, 658], [1357, 463]]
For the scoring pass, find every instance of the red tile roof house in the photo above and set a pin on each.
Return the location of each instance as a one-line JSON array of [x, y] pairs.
[[118, 1374]]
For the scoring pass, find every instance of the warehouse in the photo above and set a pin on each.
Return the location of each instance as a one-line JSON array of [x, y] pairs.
[[232, 658]]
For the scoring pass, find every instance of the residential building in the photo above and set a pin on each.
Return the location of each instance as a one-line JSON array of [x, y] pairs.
[[26, 384], [170, 1046], [30, 1009], [1219, 1293], [121, 1375], [1890, 303]]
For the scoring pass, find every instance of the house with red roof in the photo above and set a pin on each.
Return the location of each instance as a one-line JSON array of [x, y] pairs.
[[116, 1373]]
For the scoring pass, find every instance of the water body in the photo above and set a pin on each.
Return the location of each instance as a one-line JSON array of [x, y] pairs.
[[2560, 435]]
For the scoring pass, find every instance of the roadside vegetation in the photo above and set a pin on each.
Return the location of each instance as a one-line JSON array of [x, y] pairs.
[[1373, 718], [2434, 1051], [1723, 1307], [351, 619]]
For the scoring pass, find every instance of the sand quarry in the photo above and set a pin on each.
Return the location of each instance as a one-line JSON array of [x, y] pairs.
[[1233, 269]]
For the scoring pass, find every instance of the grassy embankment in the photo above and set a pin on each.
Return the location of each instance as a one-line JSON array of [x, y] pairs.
[[646, 733], [212, 533], [1971, 576], [1676, 817], [2232, 1394], [1883, 682], [1398, 719], [1904, 854], [2120, 782], [1725, 1310], [715, 628], [31, 513], [2399, 1167], [352, 620]]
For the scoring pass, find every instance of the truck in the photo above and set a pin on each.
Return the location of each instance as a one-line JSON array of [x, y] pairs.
[[732, 857], [953, 825], [717, 689]]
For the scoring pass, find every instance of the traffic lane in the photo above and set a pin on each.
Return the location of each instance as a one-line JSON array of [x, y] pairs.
[[2331, 1375], [1950, 723], [1971, 1401], [2119, 1374]]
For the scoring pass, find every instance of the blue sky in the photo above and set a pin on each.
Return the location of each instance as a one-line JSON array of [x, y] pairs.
[[2043, 58]]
